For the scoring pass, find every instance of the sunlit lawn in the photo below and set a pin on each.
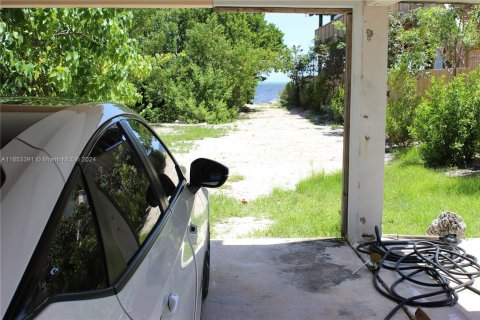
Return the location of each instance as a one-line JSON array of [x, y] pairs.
[[311, 210], [414, 196]]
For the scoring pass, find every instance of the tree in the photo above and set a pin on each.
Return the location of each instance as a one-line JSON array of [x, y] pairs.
[[429, 33], [331, 55], [317, 75], [206, 64], [74, 53]]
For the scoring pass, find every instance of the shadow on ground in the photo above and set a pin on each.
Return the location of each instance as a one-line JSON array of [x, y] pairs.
[[290, 279], [305, 279]]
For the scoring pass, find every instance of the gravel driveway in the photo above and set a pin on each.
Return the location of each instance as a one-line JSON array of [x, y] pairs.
[[273, 147]]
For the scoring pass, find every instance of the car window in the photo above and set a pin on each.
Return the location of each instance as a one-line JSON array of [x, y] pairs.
[[158, 155], [73, 262], [126, 206]]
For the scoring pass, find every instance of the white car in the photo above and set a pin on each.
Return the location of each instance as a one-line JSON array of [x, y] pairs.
[[97, 218]]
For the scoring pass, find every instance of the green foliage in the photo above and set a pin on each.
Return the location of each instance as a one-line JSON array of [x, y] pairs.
[[236, 178], [191, 65], [331, 56], [303, 91], [338, 104], [206, 64], [288, 97], [402, 101], [395, 27], [312, 94], [77, 53], [316, 94], [301, 65], [430, 32], [316, 75], [447, 123]]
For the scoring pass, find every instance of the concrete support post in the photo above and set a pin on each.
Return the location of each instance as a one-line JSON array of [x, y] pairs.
[[367, 120]]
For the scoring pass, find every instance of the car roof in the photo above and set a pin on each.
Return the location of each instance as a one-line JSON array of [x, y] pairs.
[[15, 120], [19, 113], [34, 176], [58, 129]]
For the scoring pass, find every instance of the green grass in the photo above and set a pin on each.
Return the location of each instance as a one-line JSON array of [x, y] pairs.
[[414, 196], [312, 210], [182, 140]]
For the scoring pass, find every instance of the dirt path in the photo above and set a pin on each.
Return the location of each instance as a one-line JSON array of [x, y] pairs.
[[273, 147]]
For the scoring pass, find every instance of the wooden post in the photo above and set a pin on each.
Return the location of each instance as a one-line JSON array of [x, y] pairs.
[[346, 122]]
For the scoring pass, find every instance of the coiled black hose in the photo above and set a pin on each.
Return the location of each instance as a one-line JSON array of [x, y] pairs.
[[447, 267]]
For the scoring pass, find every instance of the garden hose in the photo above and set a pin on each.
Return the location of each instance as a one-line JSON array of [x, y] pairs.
[[440, 265]]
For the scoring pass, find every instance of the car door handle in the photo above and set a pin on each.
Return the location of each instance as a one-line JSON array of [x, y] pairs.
[[173, 301], [193, 230]]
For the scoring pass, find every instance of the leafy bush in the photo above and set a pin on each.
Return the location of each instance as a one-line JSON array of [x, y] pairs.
[[312, 94], [70, 53], [338, 104], [316, 94], [402, 101], [288, 96], [206, 64], [447, 123], [179, 89]]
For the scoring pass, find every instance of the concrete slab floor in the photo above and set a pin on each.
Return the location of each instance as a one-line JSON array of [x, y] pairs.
[[297, 279]]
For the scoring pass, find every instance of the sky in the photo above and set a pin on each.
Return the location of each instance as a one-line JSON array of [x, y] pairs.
[[299, 29]]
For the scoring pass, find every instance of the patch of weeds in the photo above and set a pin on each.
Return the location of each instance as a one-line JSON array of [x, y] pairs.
[[236, 178], [336, 126], [225, 187], [181, 146], [181, 139]]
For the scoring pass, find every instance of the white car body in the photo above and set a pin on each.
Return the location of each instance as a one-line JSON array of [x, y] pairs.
[[163, 279]]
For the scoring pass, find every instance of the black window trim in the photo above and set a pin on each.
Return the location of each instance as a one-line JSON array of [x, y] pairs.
[[32, 272], [147, 164], [142, 252], [119, 283], [177, 166], [122, 121]]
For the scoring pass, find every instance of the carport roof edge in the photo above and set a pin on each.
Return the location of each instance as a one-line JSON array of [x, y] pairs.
[[210, 3]]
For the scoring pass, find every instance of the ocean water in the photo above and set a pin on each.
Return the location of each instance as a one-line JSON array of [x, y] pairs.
[[268, 91]]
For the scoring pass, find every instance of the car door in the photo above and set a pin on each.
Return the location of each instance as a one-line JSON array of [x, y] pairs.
[[143, 214], [66, 277]]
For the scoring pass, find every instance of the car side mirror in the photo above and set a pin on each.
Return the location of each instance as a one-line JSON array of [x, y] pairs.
[[207, 173]]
